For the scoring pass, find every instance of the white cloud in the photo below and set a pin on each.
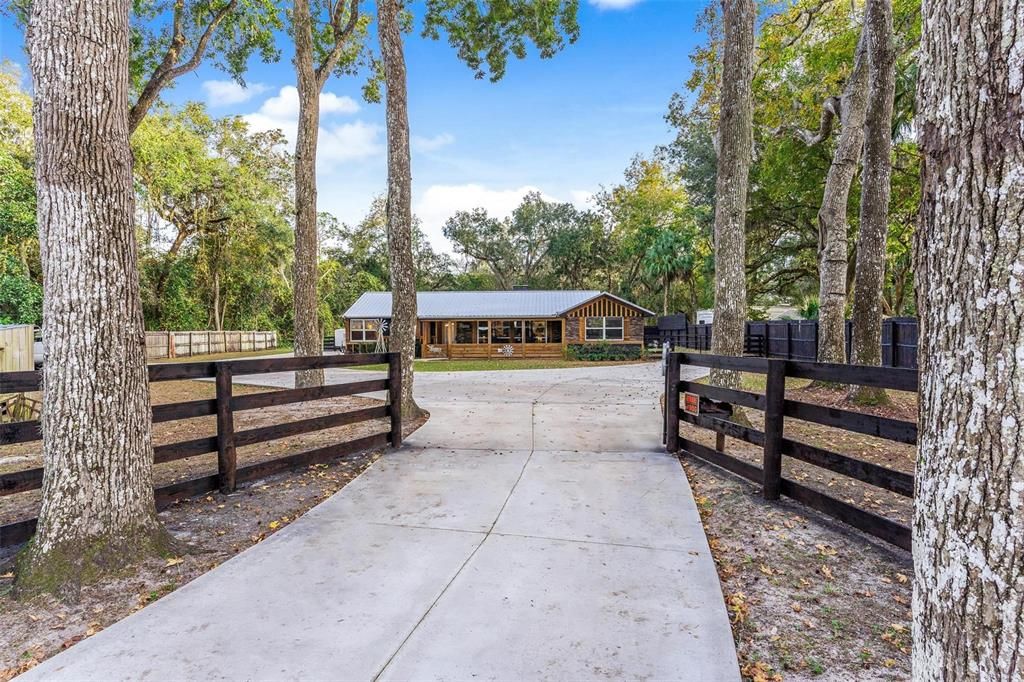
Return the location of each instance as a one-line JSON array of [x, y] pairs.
[[348, 142], [282, 110], [227, 92], [432, 144], [614, 4], [581, 198], [337, 142], [285, 104]]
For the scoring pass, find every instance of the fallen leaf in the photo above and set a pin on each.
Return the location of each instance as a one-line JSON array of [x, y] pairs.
[[173, 562], [827, 572]]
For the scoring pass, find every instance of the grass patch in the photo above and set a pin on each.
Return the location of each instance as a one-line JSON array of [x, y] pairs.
[[495, 365]]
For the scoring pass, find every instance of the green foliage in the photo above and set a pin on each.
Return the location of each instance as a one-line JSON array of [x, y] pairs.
[[20, 272], [603, 351], [216, 245], [237, 30], [485, 34], [804, 55], [808, 309], [21, 299], [652, 205], [523, 248]]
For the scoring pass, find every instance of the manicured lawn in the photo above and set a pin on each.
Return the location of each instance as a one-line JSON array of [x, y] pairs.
[[501, 365]]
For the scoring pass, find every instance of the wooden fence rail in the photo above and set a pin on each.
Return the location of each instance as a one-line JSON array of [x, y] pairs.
[[775, 445], [227, 439]]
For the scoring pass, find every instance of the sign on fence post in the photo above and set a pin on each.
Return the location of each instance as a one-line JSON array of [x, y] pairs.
[[227, 458], [775, 396]]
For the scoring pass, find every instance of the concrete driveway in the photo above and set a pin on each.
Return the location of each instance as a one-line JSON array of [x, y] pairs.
[[532, 530]]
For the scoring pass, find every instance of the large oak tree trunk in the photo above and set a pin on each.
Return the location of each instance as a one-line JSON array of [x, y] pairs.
[[869, 278], [735, 146], [97, 509], [969, 499], [833, 248], [308, 336], [399, 201]]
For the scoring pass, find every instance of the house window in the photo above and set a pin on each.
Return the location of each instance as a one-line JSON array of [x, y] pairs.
[[463, 332], [482, 331], [536, 331], [362, 330], [604, 329], [507, 331]]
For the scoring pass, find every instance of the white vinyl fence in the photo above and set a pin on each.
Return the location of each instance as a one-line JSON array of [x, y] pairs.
[[186, 344]]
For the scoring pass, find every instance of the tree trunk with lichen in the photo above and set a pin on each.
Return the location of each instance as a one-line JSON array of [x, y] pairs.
[[869, 277], [98, 512], [308, 335], [968, 608], [399, 200], [735, 147], [833, 257]]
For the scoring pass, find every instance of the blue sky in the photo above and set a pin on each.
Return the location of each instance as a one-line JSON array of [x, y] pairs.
[[565, 126]]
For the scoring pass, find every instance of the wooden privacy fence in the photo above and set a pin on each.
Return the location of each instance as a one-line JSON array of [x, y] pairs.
[[224, 405], [775, 445], [789, 339], [181, 344]]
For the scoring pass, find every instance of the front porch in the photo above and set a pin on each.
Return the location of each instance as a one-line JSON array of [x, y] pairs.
[[486, 339]]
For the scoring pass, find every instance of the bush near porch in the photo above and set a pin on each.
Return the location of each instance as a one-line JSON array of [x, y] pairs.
[[604, 352]]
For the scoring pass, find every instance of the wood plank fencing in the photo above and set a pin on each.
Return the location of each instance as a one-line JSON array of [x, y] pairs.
[[183, 344], [775, 445], [227, 439], [788, 339]]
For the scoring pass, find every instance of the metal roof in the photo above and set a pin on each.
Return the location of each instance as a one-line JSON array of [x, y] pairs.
[[446, 305]]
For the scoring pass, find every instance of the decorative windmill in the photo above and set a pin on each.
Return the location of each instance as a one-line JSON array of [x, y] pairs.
[[382, 327]]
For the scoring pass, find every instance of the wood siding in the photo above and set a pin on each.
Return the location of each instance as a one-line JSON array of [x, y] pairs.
[[605, 306]]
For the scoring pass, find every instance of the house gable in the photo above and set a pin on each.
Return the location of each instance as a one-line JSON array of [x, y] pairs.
[[607, 305]]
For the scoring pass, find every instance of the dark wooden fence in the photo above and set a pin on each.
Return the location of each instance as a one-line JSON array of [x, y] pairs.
[[790, 339], [775, 445], [229, 474]]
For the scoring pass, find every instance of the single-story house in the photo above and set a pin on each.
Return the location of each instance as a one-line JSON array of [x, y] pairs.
[[494, 324]]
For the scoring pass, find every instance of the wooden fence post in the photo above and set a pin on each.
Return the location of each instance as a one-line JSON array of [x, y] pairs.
[[672, 403], [227, 459], [775, 395], [395, 397]]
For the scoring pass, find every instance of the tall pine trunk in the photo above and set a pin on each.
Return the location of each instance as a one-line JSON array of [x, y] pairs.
[[308, 337], [97, 510], [968, 605], [833, 256], [735, 146], [399, 200], [869, 278]]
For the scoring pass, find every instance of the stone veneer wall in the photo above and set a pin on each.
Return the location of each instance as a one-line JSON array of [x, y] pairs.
[[572, 329]]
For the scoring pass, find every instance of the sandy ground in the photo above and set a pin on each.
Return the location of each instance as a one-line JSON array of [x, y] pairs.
[[809, 597]]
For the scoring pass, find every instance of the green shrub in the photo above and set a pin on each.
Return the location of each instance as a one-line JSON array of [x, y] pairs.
[[603, 351]]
